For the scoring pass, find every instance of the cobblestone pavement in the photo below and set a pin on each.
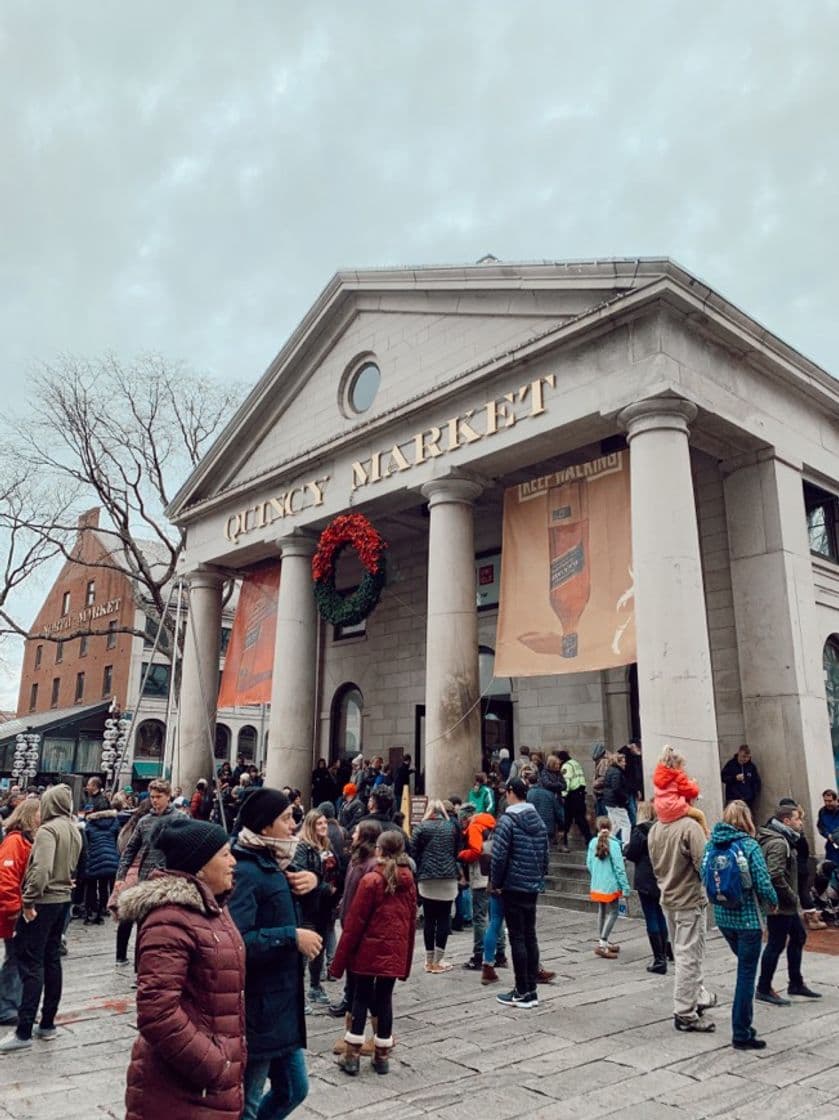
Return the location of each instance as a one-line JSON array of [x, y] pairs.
[[601, 1043]]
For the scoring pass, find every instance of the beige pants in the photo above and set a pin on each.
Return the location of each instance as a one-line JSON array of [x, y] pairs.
[[687, 935]]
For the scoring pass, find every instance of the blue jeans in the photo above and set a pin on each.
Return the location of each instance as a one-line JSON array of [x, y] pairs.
[[653, 915], [289, 1085], [11, 986], [632, 808], [463, 905], [746, 945], [481, 902], [495, 929]]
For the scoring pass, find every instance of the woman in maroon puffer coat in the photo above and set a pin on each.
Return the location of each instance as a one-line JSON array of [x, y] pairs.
[[189, 1059], [377, 944]]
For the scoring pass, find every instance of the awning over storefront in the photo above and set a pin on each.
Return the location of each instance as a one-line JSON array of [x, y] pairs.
[[147, 770], [51, 722]]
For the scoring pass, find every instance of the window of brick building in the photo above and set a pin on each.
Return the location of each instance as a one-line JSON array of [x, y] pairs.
[[79, 687], [83, 640], [56, 686], [90, 593], [157, 682], [33, 697], [65, 604], [59, 652], [112, 636], [39, 652], [107, 680]]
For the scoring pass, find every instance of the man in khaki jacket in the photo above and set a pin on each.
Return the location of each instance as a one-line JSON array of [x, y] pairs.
[[47, 887], [676, 850]]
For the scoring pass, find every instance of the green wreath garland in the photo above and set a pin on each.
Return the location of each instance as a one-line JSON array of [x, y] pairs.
[[348, 530]]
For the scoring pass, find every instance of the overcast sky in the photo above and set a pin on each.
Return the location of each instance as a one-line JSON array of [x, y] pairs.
[[185, 178]]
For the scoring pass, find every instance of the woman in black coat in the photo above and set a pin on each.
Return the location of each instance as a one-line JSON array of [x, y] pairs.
[[647, 887], [264, 909]]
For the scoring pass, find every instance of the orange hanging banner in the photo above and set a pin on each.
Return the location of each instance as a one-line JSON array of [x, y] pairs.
[[567, 598], [249, 664]]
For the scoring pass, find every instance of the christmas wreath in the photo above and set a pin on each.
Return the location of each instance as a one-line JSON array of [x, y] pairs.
[[355, 531]]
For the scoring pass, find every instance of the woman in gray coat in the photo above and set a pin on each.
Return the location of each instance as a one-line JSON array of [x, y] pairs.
[[436, 842]]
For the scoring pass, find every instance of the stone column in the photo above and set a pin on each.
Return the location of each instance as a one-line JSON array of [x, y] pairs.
[[292, 725], [778, 637], [452, 715], [616, 694], [675, 684], [194, 755]]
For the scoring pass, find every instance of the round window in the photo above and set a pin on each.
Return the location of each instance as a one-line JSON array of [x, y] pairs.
[[363, 386]]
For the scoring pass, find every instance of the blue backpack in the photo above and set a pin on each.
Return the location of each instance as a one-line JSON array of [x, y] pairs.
[[726, 877]]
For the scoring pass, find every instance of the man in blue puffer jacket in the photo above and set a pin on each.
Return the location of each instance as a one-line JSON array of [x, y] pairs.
[[519, 866]]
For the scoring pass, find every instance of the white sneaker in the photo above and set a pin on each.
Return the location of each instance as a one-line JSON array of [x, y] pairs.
[[12, 1042]]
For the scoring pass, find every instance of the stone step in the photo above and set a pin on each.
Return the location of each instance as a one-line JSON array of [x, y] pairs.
[[577, 900]]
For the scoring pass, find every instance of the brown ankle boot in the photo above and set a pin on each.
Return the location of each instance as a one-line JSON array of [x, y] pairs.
[[340, 1046], [383, 1046], [488, 974], [349, 1062]]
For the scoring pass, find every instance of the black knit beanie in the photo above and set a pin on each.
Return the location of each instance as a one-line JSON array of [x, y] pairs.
[[187, 845], [261, 808]]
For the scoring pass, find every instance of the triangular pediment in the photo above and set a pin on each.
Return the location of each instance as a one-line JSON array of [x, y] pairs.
[[428, 330]]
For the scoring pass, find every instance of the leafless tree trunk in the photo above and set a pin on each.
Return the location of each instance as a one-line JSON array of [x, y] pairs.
[[121, 437]]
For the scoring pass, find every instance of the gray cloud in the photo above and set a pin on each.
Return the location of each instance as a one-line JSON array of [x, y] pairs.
[[185, 178]]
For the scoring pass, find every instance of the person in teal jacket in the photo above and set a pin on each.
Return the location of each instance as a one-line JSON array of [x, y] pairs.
[[742, 927], [604, 859]]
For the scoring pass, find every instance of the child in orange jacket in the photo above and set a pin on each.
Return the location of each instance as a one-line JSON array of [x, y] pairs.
[[675, 792]]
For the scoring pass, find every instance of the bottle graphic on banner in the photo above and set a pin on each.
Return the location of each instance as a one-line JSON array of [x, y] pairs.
[[570, 573]]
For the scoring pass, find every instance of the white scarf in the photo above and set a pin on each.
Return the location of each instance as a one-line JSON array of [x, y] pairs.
[[282, 850]]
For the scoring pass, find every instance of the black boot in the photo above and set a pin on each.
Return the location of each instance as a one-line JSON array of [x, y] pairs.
[[658, 944]]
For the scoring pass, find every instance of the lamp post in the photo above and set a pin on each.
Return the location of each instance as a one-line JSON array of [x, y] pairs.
[[27, 757], [114, 744]]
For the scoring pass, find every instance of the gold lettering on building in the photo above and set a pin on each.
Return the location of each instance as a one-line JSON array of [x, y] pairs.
[[84, 617], [278, 507], [459, 431]]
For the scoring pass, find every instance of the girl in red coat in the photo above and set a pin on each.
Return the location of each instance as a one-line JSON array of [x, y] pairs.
[[14, 855], [377, 944]]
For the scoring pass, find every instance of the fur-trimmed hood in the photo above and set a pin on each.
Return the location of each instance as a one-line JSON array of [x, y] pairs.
[[166, 888], [101, 815]]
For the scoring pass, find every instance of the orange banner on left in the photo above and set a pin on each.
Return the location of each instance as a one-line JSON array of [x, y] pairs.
[[249, 663]]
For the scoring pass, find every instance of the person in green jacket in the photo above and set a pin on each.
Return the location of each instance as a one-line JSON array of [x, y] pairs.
[[742, 927], [480, 795], [46, 890]]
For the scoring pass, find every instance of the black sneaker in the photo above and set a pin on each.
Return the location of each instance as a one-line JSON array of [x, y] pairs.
[[518, 999], [473, 965], [773, 998], [749, 1044], [803, 990], [338, 1010], [501, 961]]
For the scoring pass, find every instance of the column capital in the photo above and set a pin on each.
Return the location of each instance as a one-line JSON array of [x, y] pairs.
[[451, 489], [655, 414], [205, 577], [296, 544]]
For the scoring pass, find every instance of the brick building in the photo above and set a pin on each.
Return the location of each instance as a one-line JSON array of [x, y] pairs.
[[68, 684]]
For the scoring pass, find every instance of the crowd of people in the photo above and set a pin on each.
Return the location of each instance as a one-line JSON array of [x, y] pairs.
[[244, 904]]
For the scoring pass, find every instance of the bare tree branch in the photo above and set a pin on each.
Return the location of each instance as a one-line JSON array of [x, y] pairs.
[[120, 436]]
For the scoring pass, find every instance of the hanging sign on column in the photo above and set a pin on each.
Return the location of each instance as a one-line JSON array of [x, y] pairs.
[[567, 598], [249, 663]]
